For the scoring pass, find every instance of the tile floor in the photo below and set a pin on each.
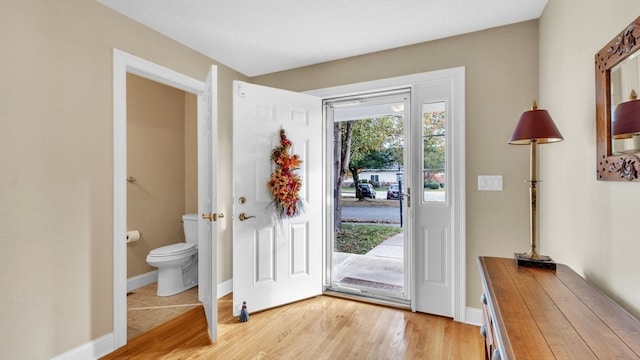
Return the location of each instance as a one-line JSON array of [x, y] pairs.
[[146, 310]]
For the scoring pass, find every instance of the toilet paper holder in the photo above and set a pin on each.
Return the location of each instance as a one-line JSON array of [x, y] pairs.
[[133, 236]]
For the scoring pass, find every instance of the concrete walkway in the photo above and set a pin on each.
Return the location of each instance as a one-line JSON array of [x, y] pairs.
[[382, 265]]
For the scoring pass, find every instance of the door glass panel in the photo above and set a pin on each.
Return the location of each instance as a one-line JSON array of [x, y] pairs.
[[368, 245], [434, 119]]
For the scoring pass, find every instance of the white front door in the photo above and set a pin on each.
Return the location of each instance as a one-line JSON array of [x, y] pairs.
[[433, 227], [275, 261], [207, 201]]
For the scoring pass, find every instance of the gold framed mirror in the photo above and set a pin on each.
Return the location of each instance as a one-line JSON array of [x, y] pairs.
[[617, 67]]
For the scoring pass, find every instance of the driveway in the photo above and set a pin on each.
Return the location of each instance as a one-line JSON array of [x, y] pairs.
[[437, 196], [382, 214]]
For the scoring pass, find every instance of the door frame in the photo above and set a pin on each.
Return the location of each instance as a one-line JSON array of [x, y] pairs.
[[458, 256], [124, 63]]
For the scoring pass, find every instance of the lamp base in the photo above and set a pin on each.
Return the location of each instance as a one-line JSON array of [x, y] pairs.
[[541, 262]]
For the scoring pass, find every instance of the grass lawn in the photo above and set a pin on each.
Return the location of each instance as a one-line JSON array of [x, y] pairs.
[[360, 239], [352, 201]]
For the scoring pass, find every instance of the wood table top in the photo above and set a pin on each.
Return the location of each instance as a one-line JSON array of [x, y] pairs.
[[546, 314]]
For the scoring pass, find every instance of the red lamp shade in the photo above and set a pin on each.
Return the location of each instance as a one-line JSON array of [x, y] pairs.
[[626, 118], [535, 125]]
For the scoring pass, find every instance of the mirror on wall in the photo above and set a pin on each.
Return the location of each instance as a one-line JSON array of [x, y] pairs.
[[617, 67], [625, 79]]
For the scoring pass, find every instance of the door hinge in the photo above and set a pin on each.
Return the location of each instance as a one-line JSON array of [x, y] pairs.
[[242, 89], [408, 197]]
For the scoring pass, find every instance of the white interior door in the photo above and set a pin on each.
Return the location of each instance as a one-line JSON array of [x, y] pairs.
[[433, 229], [275, 262], [207, 201]]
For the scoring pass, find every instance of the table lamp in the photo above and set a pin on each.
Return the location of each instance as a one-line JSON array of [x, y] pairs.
[[534, 127]]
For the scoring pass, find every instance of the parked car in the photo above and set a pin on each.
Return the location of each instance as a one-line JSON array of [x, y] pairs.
[[367, 190], [393, 192]]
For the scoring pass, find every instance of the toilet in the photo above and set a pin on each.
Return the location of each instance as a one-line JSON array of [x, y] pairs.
[[178, 263]]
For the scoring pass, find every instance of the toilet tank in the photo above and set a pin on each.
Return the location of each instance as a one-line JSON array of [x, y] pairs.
[[190, 225]]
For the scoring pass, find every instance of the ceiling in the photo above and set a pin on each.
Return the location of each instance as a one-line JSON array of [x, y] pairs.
[[258, 37]]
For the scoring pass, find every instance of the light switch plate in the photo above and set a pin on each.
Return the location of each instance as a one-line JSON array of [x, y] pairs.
[[490, 182]]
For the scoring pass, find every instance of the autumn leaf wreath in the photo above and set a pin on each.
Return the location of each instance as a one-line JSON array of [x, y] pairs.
[[284, 184]]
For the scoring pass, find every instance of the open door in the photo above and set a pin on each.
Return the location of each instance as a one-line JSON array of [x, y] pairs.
[[275, 261], [207, 201]]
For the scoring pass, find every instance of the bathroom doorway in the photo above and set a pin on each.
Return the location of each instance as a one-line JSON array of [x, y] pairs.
[[162, 185], [206, 95]]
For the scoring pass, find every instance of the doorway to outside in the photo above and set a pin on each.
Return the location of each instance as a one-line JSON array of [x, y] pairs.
[[434, 232], [368, 246]]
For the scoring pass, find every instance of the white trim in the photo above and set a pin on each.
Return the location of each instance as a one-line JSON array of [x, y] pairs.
[[104, 345], [225, 288], [459, 230], [158, 73], [119, 198], [139, 281], [122, 64], [459, 196], [145, 279], [383, 84], [94, 349], [473, 316]]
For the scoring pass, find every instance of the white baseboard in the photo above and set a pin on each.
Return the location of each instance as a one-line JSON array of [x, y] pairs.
[[152, 276], [225, 288], [474, 316], [104, 345], [142, 280], [94, 349]]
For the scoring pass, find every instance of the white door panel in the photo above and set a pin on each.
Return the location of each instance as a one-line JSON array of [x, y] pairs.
[[275, 262], [433, 216], [207, 201], [435, 271]]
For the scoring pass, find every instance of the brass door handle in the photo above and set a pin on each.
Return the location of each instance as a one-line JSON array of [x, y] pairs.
[[244, 217], [212, 216]]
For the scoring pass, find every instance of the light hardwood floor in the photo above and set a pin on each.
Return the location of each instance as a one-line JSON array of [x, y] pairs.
[[324, 327]]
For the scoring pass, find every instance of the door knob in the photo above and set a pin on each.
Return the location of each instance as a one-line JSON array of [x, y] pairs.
[[212, 216], [244, 217]]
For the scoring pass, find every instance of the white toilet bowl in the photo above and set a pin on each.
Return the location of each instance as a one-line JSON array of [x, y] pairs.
[[177, 263]]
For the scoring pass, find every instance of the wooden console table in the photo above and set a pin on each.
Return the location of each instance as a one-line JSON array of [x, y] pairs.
[[541, 314]]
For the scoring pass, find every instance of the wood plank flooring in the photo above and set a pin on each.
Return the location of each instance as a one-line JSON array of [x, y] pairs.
[[324, 327]]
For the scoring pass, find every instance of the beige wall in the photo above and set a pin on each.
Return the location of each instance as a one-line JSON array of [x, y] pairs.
[[501, 81], [56, 167], [589, 225], [160, 150], [191, 154]]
